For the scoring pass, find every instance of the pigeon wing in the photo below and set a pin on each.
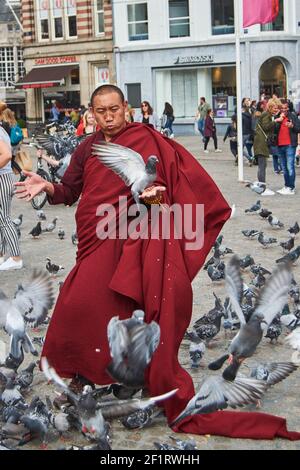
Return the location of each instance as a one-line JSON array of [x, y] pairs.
[[53, 145], [125, 162], [274, 294], [234, 286], [35, 299], [278, 371], [51, 375], [118, 340]]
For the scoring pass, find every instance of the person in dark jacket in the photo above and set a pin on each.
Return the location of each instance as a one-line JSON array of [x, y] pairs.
[[287, 128], [247, 129], [231, 132], [210, 131], [168, 119]]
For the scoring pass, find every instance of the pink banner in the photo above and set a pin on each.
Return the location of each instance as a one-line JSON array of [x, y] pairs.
[[259, 11]]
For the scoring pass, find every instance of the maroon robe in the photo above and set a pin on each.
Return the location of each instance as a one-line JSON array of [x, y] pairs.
[[113, 277]]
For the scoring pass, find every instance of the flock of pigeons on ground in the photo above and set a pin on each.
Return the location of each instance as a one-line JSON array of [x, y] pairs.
[[267, 307]]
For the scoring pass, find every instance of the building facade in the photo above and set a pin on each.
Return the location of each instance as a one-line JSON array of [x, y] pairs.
[[68, 52], [11, 57], [180, 50]]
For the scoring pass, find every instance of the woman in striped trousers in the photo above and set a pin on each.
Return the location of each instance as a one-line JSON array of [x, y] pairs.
[[8, 234]]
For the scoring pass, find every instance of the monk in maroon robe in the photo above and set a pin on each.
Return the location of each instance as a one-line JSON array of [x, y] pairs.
[[112, 277]]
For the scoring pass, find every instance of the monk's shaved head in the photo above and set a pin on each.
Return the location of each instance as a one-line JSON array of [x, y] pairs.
[[104, 89]]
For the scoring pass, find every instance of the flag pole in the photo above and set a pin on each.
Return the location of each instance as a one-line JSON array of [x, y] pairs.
[[238, 89]]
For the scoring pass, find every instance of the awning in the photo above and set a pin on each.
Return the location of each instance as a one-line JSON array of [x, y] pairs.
[[45, 77]]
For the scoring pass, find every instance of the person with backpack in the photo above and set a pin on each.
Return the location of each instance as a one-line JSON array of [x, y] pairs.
[[16, 134]]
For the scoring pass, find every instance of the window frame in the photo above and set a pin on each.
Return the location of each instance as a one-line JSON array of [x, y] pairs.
[[39, 20], [66, 21], [96, 15], [276, 31], [7, 66], [137, 22], [179, 18], [213, 26]]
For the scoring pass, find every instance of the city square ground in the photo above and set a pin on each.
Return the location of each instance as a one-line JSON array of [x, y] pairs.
[[283, 399]]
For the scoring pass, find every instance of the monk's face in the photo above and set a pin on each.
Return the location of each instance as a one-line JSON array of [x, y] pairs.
[[109, 112]]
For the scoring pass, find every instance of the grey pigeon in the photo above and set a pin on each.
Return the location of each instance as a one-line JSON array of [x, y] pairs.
[[11, 394], [251, 233], [274, 330], [61, 234], [259, 269], [53, 268], [274, 222], [256, 207], [18, 221], [265, 213], [257, 187], [196, 353], [132, 344], [291, 257], [50, 227], [294, 229], [25, 377], [270, 302], [288, 245], [215, 393], [74, 238], [41, 215], [246, 261], [36, 231], [273, 372], [265, 241], [36, 420], [129, 165]]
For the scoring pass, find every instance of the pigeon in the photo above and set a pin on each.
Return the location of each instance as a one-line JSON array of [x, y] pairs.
[[265, 241], [129, 165], [29, 307], [11, 394], [270, 302], [214, 260], [294, 229], [18, 221], [189, 444], [291, 257], [265, 213], [246, 261], [257, 187], [50, 227], [274, 330], [274, 222], [61, 234], [256, 207], [196, 353], [250, 233], [25, 377], [295, 292], [132, 344], [41, 215], [259, 281], [211, 316], [74, 238], [258, 269], [140, 418], [293, 339], [288, 245], [216, 273], [273, 372], [52, 268], [215, 393], [36, 231], [36, 420]]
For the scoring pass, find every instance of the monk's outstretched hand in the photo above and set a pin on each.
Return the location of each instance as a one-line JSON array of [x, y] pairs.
[[31, 187], [153, 194]]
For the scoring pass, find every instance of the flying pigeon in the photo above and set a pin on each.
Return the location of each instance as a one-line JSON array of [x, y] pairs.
[[129, 165]]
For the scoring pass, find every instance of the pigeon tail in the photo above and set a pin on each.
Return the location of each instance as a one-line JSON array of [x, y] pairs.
[[216, 365]]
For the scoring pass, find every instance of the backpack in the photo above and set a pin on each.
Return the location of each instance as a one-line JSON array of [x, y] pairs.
[[16, 135]]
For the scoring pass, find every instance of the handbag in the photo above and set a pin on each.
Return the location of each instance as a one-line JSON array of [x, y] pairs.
[[23, 160], [271, 140]]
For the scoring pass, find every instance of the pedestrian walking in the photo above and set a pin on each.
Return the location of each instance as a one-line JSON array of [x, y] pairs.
[[210, 131]]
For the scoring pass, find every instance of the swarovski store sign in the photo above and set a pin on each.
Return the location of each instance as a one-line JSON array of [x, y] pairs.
[[195, 59]]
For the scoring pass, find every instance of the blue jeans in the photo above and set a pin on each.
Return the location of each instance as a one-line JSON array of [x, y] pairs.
[[287, 160], [276, 161], [248, 144], [168, 125], [201, 124]]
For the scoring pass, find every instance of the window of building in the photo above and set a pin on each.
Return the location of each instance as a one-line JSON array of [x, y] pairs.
[[179, 21], [74, 76], [43, 15], [21, 69], [137, 21], [223, 91], [278, 24], [57, 16], [71, 19], [222, 16], [7, 67], [184, 92], [134, 94], [99, 17]]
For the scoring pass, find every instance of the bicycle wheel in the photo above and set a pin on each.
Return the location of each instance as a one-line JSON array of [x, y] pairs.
[[40, 200]]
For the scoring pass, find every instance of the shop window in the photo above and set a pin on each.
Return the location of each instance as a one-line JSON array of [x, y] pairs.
[[134, 94], [222, 16], [179, 21], [99, 17], [278, 24], [137, 21], [184, 92], [75, 76], [224, 91], [71, 19]]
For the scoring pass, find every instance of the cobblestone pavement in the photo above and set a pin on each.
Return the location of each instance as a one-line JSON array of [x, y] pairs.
[[281, 400]]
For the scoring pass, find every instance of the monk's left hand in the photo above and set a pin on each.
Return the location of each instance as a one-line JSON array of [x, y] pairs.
[[152, 193]]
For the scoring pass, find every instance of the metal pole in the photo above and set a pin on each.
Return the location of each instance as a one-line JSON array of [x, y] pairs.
[[238, 90]]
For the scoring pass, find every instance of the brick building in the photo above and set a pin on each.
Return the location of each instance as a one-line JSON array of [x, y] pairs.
[[68, 52]]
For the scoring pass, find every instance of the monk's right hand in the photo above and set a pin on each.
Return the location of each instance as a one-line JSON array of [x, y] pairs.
[[31, 187]]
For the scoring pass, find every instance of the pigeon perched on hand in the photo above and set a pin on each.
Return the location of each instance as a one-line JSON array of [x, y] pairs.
[[270, 302], [256, 207], [129, 165]]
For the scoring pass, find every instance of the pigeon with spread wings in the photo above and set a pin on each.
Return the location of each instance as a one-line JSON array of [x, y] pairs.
[[129, 165]]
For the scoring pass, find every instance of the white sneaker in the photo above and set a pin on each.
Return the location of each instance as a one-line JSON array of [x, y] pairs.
[[267, 192], [218, 151], [11, 264], [1, 260], [286, 191], [206, 151]]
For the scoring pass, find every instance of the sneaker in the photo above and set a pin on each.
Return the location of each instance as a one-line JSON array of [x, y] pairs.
[[2, 260], [206, 151], [11, 264], [218, 151], [286, 191], [267, 192]]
